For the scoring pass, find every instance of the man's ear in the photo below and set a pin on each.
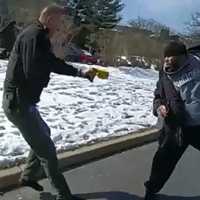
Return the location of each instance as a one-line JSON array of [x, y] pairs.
[[48, 20]]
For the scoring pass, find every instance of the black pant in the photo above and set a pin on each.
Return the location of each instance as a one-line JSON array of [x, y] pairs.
[[168, 155], [43, 152]]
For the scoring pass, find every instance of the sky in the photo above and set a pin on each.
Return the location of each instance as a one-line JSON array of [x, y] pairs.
[[173, 13]]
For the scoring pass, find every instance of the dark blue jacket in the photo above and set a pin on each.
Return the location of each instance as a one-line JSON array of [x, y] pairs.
[[165, 94]]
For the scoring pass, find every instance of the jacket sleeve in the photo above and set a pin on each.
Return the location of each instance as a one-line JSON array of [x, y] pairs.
[[56, 64], [36, 53], [159, 96]]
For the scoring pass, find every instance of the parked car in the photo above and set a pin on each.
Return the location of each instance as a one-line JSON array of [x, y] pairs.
[[86, 57], [75, 54], [122, 61], [72, 53]]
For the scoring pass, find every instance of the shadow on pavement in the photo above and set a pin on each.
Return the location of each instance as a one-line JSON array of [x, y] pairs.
[[113, 195], [167, 197], [47, 196], [116, 195], [100, 195]]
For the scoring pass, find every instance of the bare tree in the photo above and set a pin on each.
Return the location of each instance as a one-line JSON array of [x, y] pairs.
[[147, 24], [194, 25]]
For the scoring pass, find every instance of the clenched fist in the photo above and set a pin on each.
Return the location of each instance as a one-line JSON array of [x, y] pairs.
[[162, 111], [90, 74]]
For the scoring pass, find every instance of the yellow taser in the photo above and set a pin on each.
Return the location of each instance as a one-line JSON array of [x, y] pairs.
[[102, 73]]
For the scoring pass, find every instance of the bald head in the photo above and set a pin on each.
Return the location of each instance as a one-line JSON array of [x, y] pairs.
[[51, 17], [51, 11]]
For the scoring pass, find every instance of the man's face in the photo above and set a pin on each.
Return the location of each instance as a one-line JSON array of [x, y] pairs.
[[171, 63], [55, 21]]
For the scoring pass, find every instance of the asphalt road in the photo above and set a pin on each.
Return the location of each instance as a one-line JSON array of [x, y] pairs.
[[121, 177]]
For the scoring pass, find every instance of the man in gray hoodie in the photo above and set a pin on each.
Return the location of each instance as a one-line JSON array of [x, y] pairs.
[[177, 101]]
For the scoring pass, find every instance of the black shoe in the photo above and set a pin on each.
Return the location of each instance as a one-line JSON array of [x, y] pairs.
[[33, 184], [77, 198], [60, 197], [150, 196]]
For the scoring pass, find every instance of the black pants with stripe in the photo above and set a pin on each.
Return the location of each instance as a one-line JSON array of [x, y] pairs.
[[168, 155]]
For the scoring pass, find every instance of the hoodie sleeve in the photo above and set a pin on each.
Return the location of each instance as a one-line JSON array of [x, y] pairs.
[[159, 95]]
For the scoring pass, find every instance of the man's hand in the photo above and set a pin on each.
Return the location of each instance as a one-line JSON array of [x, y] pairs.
[[90, 74], [162, 111]]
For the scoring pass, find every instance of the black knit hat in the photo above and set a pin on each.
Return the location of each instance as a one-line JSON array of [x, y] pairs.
[[175, 48]]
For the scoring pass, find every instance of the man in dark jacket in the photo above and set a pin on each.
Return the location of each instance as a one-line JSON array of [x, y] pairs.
[[177, 101], [28, 72]]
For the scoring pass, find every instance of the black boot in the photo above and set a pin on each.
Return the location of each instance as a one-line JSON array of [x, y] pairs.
[[150, 196], [61, 197], [77, 198], [33, 184]]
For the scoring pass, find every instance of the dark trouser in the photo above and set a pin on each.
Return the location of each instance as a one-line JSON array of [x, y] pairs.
[[43, 153], [167, 156]]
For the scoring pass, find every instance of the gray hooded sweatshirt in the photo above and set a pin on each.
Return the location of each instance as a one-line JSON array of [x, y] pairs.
[[187, 81]]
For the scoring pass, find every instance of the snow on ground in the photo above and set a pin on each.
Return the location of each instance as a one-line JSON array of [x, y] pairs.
[[79, 112]]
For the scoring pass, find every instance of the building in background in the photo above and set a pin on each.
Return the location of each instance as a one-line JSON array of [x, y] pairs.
[[7, 30]]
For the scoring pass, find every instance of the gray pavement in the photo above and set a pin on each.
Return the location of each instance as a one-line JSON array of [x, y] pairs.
[[121, 177]]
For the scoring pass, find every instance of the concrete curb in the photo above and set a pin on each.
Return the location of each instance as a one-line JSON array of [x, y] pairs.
[[9, 177]]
